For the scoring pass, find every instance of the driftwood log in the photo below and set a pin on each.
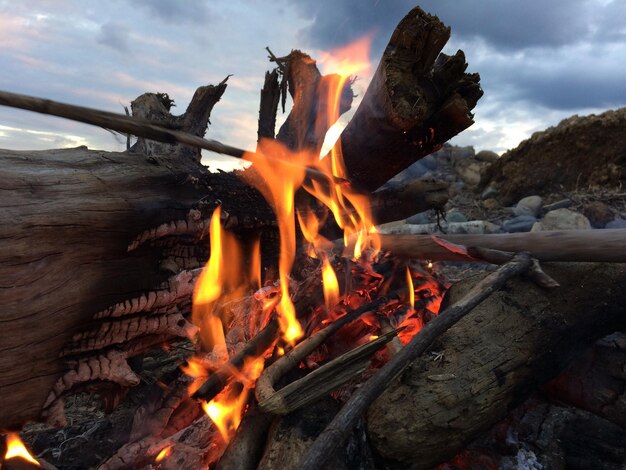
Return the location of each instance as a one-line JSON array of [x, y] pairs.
[[101, 250], [493, 360]]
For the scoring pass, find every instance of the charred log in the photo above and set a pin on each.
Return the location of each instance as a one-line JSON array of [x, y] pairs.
[[493, 360]]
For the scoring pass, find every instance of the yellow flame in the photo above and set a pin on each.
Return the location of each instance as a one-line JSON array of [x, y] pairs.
[[280, 173], [16, 448], [330, 284], [226, 409], [165, 452], [409, 281]]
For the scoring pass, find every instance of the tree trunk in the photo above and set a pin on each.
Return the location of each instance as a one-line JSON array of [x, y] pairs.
[[494, 359]]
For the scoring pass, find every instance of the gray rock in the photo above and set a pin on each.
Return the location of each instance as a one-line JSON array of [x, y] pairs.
[[521, 223], [487, 156], [420, 218], [430, 162], [562, 219], [528, 206], [470, 171], [455, 216], [617, 223], [489, 193]]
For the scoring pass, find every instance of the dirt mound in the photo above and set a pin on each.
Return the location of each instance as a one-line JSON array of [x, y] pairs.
[[580, 152]]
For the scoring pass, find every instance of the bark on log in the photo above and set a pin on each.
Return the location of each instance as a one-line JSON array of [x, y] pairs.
[[417, 100], [493, 359]]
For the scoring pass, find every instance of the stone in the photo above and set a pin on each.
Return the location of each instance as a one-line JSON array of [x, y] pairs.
[[487, 156], [617, 223], [598, 214], [521, 223], [454, 215], [530, 205], [562, 219], [489, 192], [470, 171], [420, 218], [490, 204]]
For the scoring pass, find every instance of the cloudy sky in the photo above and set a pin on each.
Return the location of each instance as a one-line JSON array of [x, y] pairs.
[[540, 61]]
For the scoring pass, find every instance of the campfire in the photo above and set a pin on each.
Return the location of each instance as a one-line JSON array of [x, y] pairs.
[[289, 322]]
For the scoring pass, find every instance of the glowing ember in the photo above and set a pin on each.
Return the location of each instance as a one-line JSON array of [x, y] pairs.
[[165, 452], [16, 448]]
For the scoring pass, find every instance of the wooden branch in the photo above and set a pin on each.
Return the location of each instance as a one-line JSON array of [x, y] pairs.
[[270, 95], [343, 423], [140, 128], [607, 245], [265, 384], [254, 348], [324, 379], [417, 100]]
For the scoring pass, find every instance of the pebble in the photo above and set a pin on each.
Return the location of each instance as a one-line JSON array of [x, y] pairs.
[[562, 219], [490, 192], [487, 156], [521, 223], [454, 215], [420, 218], [528, 206], [617, 223], [490, 204], [557, 205], [598, 213]]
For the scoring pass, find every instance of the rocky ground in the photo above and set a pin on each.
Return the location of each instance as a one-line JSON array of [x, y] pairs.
[[572, 176]]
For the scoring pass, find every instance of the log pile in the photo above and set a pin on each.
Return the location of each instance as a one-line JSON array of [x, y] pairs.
[[102, 251]]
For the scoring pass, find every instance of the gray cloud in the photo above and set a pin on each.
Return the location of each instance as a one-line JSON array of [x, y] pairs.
[[191, 11], [114, 35]]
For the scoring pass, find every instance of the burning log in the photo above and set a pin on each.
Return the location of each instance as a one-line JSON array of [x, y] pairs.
[[494, 359], [418, 99], [342, 424]]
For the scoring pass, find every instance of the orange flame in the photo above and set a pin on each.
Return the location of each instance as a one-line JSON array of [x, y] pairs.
[[350, 59], [329, 281], [16, 448], [226, 409], [165, 452], [281, 174]]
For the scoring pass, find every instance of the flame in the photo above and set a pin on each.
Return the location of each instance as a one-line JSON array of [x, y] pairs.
[[16, 448], [350, 59], [195, 369], [165, 452], [409, 281], [226, 409], [281, 173], [329, 281]]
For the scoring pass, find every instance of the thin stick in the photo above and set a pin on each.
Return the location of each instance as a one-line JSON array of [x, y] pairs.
[[130, 125], [336, 432], [254, 348], [265, 384]]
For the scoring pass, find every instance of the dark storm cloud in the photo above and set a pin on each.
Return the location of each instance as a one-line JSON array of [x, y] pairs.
[[503, 24]]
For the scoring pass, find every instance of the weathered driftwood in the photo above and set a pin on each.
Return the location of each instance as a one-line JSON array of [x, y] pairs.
[[493, 360], [342, 424], [607, 245], [417, 100], [270, 376], [77, 303], [324, 379]]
